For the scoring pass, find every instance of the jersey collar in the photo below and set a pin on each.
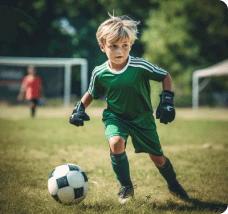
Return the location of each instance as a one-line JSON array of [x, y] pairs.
[[121, 71]]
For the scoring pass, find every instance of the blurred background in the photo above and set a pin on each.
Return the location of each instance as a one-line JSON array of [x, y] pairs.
[[179, 36]]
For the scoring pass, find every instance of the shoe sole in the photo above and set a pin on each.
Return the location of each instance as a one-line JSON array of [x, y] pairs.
[[125, 200]]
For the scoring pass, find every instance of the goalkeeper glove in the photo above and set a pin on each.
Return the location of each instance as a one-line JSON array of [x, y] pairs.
[[79, 116], [165, 111]]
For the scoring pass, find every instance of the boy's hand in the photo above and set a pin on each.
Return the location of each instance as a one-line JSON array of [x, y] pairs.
[[19, 97], [79, 116], [165, 111]]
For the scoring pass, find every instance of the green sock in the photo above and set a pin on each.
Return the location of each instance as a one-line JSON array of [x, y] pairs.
[[168, 173], [120, 166]]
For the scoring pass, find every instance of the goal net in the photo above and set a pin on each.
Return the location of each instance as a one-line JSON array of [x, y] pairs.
[[57, 76]]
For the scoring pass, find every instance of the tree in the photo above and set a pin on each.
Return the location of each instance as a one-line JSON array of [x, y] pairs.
[[183, 36], [40, 28], [29, 31], [35, 26], [209, 20]]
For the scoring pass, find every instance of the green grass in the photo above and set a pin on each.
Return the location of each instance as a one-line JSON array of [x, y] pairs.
[[31, 148]]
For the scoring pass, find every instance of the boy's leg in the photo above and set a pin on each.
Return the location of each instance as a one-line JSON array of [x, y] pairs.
[[120, 166], [165, 167], [117, 133], [33, 104], [33, 109], [119, 159]]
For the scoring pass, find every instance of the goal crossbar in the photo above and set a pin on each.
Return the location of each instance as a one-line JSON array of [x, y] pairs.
[[218, 69], [67, 63]]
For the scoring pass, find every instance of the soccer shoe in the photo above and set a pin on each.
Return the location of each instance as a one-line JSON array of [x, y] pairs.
[[178, 191], [125, 193]]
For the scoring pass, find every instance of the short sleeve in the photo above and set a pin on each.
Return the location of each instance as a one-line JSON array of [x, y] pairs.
[[96, 90], [153, 72]]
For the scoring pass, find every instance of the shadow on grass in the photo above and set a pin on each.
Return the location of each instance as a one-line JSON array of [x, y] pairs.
[[96, 208], [192, 205]]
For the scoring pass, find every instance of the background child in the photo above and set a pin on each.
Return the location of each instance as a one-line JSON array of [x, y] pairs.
[[125, 80], [32, 86]]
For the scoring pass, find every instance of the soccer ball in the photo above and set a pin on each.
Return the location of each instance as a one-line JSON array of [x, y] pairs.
[[68, 184]]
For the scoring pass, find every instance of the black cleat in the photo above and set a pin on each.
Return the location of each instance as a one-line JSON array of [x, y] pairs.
[[178, 191]]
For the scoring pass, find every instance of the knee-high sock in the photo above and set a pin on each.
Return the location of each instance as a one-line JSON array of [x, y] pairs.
[[120, 166], [168, 173]]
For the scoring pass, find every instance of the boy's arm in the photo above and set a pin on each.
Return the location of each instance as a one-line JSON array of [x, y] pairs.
[[165, 111], [22, 92], [87, 99], [167, 83]]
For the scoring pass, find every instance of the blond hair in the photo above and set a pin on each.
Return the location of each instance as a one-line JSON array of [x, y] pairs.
[[118, 27]]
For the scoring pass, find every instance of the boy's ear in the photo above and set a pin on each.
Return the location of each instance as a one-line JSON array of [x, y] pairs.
[[102, 48]]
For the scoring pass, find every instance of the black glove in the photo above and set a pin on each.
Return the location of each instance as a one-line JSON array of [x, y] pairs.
[[79, 116], [165, 111]]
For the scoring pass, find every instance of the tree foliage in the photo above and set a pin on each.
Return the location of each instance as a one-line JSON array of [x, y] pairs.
[[179, 36], [28, 30], [183, 36], [35, 28]]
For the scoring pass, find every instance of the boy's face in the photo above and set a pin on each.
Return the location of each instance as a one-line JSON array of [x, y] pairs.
[[31, 70], [117, 52]]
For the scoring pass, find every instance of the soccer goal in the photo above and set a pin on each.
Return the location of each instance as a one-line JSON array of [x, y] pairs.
[[219, 69], [62, 74]]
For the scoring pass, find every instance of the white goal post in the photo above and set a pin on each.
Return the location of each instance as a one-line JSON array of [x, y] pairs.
[[218, 69], [67, 63]]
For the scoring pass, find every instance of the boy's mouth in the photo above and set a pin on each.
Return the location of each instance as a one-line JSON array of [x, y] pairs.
[[119, 57]]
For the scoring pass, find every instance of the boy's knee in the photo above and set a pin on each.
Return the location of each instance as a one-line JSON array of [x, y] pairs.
[[116, 144], [32, 105], [159, 161]]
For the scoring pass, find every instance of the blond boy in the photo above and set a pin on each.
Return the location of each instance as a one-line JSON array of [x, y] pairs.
[[125, 81]]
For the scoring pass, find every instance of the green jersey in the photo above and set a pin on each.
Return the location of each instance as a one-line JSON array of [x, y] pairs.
[[127, 91]]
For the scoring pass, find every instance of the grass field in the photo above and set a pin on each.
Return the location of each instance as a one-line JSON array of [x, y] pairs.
[[196, 143]]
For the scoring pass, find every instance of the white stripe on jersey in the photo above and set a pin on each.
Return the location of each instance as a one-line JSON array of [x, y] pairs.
[[141, 62], [94, 74], [153, 68], [141, 66]]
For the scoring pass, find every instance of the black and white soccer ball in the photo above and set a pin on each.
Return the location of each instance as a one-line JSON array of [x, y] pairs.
[[68, 184]]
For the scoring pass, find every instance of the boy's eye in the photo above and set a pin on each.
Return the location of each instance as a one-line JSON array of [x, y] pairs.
[[113, 46], [125, 45]]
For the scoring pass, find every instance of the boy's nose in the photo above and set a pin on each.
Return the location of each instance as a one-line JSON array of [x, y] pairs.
[[119, 50]]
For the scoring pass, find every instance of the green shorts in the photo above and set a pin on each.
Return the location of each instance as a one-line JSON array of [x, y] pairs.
[[144, 138]]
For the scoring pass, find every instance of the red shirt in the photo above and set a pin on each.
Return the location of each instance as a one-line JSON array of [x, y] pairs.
[[33, 87]]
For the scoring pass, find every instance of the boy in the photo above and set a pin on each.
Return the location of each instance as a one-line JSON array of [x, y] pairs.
[[32, 86], [125, 80]]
